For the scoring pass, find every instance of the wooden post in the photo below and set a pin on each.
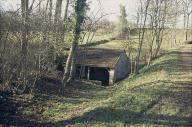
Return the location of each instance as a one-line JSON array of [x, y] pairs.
[[88, 73], [111, 76]]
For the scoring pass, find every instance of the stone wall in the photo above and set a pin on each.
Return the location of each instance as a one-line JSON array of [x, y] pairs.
[[122, 68]]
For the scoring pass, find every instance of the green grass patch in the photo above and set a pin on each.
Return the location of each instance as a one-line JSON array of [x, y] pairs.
[[155, 97]]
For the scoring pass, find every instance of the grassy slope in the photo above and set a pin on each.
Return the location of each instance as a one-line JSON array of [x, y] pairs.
[[167, 43], [149, 99], [141, 101], [158, 96]]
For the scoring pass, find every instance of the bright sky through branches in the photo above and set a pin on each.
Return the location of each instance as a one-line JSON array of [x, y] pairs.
[[106, 7], [110, 7]]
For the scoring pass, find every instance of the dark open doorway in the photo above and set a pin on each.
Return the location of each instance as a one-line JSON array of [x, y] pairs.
[[100, 74], [95, 73]]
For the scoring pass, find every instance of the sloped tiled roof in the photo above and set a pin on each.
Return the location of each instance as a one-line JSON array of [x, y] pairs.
[[97, 57]]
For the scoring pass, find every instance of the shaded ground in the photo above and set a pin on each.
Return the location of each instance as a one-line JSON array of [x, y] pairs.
[[166, 102], [160, 96], [20, 110]]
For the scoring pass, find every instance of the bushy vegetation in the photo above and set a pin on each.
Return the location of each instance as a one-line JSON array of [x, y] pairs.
[[38, 50]]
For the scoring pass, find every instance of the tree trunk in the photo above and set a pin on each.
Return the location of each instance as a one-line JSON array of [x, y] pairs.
[[71, 61], [57, 18], [25, 32], [191, 28], [151, 49], [50, 10], [57, 23], [187, 27], [160, 29], [1, 33], [64, 21], [142, 39], [184, 22]]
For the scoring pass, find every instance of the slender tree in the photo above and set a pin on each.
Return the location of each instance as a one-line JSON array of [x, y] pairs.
[[65, 20], [80, 10], [57, 26], [141, 34], [0, 26], [58, 9], [123, 21], [159, 14], [25, 33], [187, 12]]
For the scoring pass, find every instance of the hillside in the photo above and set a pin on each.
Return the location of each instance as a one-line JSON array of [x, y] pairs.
[[95, 63], [159, 96]]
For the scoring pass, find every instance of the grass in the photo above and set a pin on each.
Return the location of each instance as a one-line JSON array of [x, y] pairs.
[[167, 44], [155, 97], [158, 96]]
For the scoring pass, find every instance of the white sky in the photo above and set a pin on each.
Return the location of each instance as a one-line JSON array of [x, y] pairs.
[[106, 6], [112, 6]]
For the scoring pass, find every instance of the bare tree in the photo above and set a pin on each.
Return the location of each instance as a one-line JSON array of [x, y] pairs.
[[0, 26], [158, 16], [123, 22], [142, 28], [50, 10], [160, 23], [25, 32], [1, 35], [176, 13], [187, 11], [58, 9], [65, 20], [57, 25]]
